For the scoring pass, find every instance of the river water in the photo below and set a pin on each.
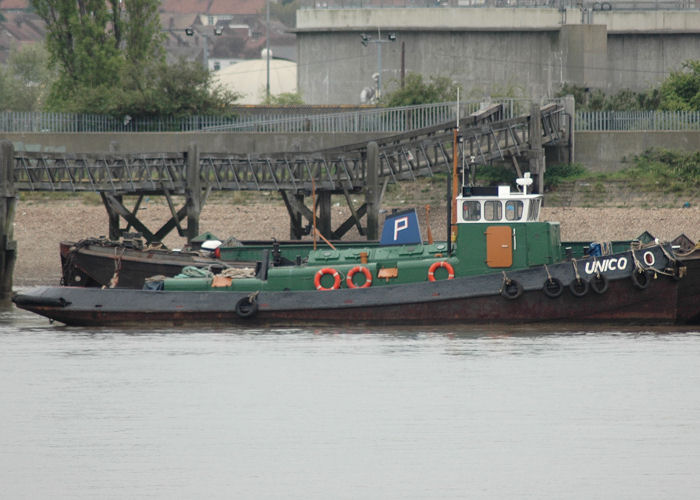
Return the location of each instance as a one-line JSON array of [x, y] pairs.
[[321, 413]]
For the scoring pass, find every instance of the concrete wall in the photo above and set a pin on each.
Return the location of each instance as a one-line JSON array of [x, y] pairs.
[[491, 51], [336, 67], [639, 61], [606, 151]]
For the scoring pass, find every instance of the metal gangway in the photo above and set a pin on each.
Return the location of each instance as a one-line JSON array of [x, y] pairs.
[[484, 137]]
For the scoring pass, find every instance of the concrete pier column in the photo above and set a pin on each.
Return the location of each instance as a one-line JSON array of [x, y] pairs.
[[569, 115], [8, 200], [372, 191], [536, 152]]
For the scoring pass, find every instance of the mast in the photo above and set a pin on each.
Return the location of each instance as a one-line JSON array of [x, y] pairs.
[[455, 177]]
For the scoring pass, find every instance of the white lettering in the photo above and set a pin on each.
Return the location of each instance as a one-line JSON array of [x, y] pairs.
[[649, 259], [598, 266], [399, 225]]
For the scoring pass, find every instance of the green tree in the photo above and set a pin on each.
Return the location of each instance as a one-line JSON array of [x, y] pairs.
[[181, 89], [186, 88], [98, 46], [283, 99], [25, 80], [418, 91], [625, 100], [110, 60], [681, 90]]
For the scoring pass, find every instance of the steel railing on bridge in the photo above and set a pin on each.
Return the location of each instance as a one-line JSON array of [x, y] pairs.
[[603, 5], [637, 120], [380, 120], [486, 136]]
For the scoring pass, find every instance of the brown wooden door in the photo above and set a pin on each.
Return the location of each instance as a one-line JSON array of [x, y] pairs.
[[499, 246]]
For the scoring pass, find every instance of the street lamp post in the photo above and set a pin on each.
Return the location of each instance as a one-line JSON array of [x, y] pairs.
[[189, 31], [366, 39], [217, 32], [267, 50]]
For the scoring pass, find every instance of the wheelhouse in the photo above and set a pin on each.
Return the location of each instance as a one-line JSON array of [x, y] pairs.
[[497, 204]]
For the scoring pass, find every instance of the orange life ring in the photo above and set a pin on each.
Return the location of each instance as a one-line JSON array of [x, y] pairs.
[[442, 263], [332, 272], [359, 269]]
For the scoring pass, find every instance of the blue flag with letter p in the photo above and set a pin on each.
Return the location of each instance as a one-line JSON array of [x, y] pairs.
[[401, 228]]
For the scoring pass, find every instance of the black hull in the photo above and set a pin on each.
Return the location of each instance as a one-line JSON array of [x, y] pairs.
[[689, 290], [466, 300]]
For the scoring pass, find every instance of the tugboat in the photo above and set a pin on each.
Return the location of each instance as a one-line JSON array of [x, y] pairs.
[[500, 264]]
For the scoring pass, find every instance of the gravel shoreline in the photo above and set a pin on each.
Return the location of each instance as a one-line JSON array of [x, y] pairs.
[[40, 226]]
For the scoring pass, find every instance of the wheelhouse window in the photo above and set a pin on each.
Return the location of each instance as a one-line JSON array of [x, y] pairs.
[[493, 210], [471, 210], [534, 211], [514, 210]]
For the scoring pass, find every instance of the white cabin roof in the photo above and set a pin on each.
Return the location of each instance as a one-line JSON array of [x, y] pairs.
[[497, 204]]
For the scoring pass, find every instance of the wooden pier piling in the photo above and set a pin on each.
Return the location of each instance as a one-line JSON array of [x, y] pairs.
[[8, 200], [193, 192], [372, 191]]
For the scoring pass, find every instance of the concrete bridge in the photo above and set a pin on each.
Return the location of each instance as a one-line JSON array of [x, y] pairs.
[[506, 51]]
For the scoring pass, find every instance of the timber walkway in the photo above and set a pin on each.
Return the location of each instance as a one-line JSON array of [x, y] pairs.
[[402, 157], [484, 137]]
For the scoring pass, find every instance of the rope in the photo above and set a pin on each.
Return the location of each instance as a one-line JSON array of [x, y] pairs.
[[637, 264], [578, 276], [549, 276], [195, 272], [606, 247], [114, 281], [506, 282], [597, 271], [238, 272], [668, 255], [638, 267], [689, 252]]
